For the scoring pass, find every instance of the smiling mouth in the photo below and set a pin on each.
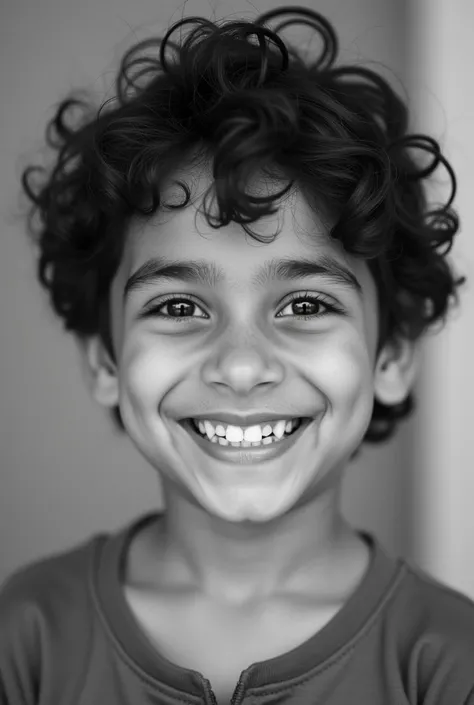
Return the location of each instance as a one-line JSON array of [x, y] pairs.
[[267, 441]]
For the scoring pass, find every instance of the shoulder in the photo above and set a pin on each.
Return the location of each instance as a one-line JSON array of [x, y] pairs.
[[435, 608], [61, 569], [43, 604], [430, 627], [45, 592]]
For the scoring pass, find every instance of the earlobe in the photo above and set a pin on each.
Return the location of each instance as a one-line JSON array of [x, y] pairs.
[[101, 372], [395, 372]]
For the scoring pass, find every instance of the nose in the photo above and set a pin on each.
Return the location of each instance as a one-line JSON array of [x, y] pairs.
[[242, 370]]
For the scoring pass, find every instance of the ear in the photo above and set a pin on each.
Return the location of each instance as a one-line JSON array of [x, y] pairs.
[[101, 372], [396, 371]]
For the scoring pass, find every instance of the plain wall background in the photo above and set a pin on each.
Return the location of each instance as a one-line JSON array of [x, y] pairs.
[[64, 474], [441, 56]]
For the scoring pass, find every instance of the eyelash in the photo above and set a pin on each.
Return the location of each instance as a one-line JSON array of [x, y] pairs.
[[331, 308]]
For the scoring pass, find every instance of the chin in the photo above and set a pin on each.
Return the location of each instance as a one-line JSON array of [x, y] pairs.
[[250, 509]]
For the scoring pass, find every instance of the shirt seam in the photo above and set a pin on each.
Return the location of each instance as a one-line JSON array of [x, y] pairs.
[[82, 681], [128, 661], [342, 651]]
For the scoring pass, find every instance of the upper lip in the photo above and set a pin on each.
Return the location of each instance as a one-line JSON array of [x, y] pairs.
[[244, 420]]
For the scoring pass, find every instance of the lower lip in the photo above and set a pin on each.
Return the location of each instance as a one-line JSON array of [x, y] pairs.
[[249, 454]]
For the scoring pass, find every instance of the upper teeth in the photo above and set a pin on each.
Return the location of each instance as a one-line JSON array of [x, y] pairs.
[[254, 434]]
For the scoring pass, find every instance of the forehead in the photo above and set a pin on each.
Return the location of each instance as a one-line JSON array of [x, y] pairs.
[[301, 229], [185, 230]]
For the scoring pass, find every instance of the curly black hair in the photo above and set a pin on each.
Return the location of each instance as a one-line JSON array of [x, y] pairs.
[[248, 107]]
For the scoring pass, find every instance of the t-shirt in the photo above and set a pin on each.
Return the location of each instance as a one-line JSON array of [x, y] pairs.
[[68, 637]]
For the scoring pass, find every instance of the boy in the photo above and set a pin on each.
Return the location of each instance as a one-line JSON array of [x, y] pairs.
[[248, 368]]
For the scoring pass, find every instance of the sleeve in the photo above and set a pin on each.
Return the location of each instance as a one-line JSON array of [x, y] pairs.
[[19, 644]]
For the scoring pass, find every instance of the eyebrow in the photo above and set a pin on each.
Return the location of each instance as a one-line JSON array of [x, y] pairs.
[[159, 269]]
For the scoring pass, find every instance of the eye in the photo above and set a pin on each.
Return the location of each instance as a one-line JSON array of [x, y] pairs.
[[179, 307], [308, 302]]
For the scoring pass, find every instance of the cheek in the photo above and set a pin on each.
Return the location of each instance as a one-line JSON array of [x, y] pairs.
[[344, 374], [144, 373]]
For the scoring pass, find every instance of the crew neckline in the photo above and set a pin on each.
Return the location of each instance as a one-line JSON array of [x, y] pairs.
[[361, 607]]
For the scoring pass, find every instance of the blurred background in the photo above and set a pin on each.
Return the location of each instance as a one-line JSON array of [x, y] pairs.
[[64, 474]]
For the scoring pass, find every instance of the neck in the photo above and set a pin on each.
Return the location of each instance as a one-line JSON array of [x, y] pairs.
[[239, 563]]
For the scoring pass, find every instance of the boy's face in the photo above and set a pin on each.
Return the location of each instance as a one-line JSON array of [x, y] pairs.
[[242, 349]]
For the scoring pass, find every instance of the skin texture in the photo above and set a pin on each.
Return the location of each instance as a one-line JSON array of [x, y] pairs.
[[240, 533]]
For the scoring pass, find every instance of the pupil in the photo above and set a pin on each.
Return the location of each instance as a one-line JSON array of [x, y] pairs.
[[180, 308], [305, 306]]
